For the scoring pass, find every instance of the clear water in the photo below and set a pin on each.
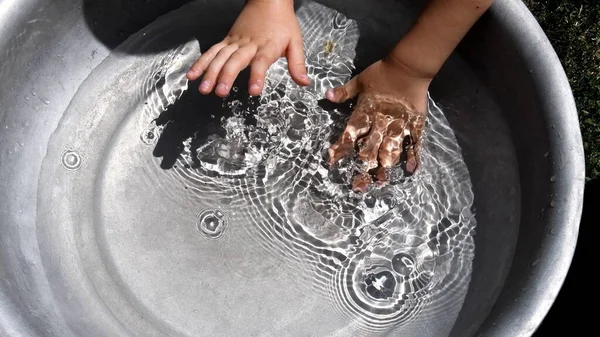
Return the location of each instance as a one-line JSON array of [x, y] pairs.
[[174, 204]]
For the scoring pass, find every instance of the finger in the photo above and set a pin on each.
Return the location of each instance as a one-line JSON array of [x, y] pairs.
[[358, 126], [369, 147], [413, 153], [239, 60], [391, 146], [361, 182], [343, 93], [390, 151], [382, 176], [412, 160], [343, 148], [204, 60], [416, 127], [214, 68], [296, 62], [264, 58]]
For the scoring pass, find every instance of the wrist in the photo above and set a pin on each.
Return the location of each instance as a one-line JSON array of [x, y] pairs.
[[276, 3], [437, 32], [271, 7], [403, 63]]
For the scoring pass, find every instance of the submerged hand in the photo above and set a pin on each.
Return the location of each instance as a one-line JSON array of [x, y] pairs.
[[387, 121], [264, 31]]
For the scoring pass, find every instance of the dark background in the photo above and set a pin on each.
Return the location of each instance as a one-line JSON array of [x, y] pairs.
[[572, 310], [573, 28]]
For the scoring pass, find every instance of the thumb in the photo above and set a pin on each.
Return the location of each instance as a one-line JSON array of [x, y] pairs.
[[343, 93]]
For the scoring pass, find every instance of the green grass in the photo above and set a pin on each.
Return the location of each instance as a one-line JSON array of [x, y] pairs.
[[573, 28]]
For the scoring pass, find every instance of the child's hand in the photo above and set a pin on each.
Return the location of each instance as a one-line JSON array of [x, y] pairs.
[[393, 92], [392, 104], [265, 31]]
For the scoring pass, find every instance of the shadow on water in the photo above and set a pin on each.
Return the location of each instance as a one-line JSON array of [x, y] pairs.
[[113, 21], [198, 116]]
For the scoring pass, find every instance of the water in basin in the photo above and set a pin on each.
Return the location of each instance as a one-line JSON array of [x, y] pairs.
[[184, 214]]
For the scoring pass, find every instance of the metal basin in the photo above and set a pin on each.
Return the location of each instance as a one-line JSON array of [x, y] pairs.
[[104, 237]]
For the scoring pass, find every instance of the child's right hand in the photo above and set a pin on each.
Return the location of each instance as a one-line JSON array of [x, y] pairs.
[[265, 31]]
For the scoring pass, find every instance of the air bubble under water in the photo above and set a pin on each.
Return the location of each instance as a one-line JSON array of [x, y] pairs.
[[71, 160], [212, 224], [149, 136], [403, 264]]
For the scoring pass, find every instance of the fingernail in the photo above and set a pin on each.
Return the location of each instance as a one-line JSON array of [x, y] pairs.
[[254, 87], [304, 77], [204, 85], [222, 87], [329, 94]]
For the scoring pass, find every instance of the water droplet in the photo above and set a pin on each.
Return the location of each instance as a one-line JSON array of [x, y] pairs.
[[29, 64], [27, 98], [552, 203], [149, 136], [235, 89], [403, 264], [212, 224], [33, 93], [46, 101], [71, 160], [553, 178]]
